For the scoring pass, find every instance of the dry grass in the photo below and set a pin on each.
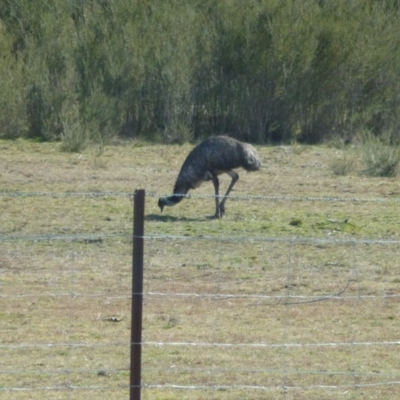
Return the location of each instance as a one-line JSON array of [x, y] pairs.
[[245, 304]]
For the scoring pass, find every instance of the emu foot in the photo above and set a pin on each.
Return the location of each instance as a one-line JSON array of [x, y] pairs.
[[219, 212]]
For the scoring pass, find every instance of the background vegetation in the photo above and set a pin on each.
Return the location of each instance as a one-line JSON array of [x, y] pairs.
[[263, 70]]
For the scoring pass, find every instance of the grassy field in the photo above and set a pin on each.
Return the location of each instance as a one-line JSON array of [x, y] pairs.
[[294, 294]]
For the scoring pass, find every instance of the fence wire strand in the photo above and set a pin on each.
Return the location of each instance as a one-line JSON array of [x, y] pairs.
[[328, 199]]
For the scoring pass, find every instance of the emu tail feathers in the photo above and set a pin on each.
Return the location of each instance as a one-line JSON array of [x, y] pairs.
[[251, 160]]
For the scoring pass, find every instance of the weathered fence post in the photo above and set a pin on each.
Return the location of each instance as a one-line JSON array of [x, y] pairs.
[[137, 295]]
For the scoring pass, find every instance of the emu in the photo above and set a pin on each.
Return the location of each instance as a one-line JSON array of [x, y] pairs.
[[214, 156]]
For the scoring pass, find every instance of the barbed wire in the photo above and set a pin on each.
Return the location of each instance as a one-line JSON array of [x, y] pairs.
[[202, 387], [272, 371], [107, 295], [61, 388], [335, 199], [285, 240], [199, 344], [67, 237], [236, 238], [217, 296], [273, 345], [6, 193], [270, 388]]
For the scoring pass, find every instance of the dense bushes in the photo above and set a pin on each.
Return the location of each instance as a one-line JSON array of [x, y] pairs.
[[262, 70]]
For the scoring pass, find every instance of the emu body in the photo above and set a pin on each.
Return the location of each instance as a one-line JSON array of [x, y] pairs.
[[208, 160]]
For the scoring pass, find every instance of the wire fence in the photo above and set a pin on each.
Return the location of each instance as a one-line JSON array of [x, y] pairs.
[[226, 315]]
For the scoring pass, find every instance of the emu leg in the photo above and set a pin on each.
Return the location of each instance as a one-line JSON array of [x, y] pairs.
[[216, 187], [235, 178]]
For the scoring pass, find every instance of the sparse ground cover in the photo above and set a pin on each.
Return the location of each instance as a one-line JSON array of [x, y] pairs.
[[234, 308]]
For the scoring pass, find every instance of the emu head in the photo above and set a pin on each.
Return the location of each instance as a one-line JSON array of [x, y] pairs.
[[162, 203]]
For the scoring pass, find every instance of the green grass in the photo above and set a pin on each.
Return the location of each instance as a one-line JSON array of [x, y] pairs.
[[262, 289]]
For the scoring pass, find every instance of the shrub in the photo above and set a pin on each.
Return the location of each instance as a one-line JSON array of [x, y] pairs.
[[381, 158], [344, 164], [74, 136]]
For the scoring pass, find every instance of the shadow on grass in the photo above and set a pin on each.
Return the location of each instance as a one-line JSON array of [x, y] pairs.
[[170, 218]]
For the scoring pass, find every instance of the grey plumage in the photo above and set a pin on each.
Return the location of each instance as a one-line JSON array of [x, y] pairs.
[[214, 156]]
